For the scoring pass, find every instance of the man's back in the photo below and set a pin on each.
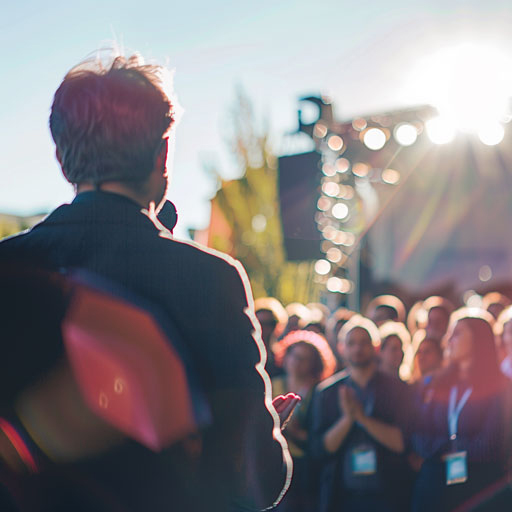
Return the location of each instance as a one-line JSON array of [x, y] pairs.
[[204, 295]]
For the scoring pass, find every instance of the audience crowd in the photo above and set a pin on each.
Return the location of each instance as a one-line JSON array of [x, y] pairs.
[[400, 410]]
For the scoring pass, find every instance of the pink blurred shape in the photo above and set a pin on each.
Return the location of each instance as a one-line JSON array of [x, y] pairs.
[[126, 369]]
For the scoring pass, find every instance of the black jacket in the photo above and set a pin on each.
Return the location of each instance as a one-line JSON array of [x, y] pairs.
[[206, 296]]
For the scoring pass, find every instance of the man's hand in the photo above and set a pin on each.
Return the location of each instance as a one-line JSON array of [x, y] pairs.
[[349, 403], [284, 405]]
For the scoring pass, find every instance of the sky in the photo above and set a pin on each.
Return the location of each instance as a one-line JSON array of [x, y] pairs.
[[364, 55]]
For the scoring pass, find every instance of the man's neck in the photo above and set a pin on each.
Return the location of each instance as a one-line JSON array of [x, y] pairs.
[[361, 375], [116, 188]]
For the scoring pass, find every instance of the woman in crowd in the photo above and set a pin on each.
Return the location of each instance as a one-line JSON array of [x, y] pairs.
[[395, 341], [460, 432], [306, 359], [427, 356]]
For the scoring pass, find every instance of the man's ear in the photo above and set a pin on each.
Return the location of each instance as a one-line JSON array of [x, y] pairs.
[[161, 157]]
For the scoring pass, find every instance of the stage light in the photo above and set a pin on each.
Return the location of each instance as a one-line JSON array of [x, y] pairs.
[[331, 189], [342, 165], [334, 255], [440, 130], [347, 192], [322, 267], [335, 142], [491, 134], [390, 176], [405, 134], [340, 210], [320, 130], [359, 124], [329, 232], [334, 284], [328, 170], [323, 203], [360, 170], [374, 139], [470, 83]]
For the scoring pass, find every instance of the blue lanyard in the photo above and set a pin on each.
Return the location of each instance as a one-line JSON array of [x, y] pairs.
[[454, 410]]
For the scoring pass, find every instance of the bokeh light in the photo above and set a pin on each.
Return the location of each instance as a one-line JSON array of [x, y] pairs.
[[405, 134], [259, 223], [342, 165], [491, 134], [374, 138], [440, 130], [334, 255], [330, 188], [485, 273], [390, 176], [324, 203], [340, 210], [360, 169], [335, 142], [322, 267], [328, 169], [320, 130]]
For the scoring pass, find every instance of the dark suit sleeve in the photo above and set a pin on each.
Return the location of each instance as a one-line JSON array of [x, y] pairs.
[[263, 460]]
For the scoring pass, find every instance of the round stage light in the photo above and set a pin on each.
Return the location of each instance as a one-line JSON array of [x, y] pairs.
[[335, 142], [330, 188], [340, 210], [342, 165], [328, 170], [323, 203], [322, 267], [440, 131], [405, 134], [491, 134], [360, 169], [334, 255], [334, 284], [390, 176], [374, 139], [320, 130]]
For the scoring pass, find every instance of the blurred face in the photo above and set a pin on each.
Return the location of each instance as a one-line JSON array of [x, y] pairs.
[[383, 314], [460, 342], [391, 354], [437, 322], [428, 357], [299, 361], [268, 324], [506, 338], [358, 349]]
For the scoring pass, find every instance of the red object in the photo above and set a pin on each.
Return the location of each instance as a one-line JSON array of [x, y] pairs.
[[19, 445], [127, 371]]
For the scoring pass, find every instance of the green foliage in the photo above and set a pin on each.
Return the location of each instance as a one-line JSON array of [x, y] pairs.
[[250, 206]]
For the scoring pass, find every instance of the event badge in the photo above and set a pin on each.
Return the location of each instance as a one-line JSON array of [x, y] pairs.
[[456, 468], [364, 461]]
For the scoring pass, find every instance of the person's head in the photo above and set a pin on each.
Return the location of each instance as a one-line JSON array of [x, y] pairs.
[[305, 355], [111, 123], [495, 303], [358, 342], [298, 316], [271, 316], [385, 308], [395, 339], [429, 354], [470, 340], [335, 322], [437, 311], [503, 331]]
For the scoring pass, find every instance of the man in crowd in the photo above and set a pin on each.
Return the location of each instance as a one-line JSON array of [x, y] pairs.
[[112, 126], [357, 430]]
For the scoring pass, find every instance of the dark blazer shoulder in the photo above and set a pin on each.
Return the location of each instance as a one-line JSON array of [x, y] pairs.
[[333, 381]]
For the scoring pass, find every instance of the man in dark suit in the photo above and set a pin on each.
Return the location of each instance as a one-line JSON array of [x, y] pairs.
[[111, 126]]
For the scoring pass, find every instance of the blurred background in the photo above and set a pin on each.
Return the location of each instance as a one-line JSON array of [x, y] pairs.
[[339, 150]]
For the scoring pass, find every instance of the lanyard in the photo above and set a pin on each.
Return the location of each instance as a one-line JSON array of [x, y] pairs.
[[455, 408]]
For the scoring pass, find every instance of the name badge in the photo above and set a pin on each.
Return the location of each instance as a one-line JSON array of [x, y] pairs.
[[456, 468], [364, 461]]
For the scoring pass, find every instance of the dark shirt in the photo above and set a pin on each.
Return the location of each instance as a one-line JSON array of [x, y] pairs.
[[385, 399]]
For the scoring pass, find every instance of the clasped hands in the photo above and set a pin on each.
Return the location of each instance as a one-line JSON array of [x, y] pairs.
[[350, 404]]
